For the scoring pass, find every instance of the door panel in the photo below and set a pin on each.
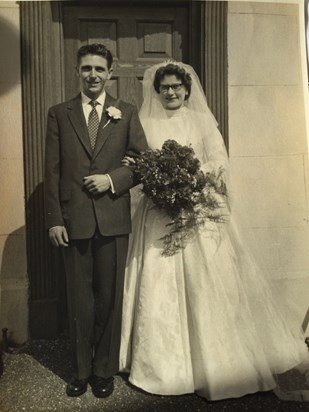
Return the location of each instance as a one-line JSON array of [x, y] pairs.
[[138, 37]]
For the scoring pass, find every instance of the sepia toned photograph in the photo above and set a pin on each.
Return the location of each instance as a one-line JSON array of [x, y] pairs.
[[154, 218]]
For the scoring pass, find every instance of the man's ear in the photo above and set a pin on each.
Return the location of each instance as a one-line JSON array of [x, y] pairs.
[[77, 70], [110, 72]]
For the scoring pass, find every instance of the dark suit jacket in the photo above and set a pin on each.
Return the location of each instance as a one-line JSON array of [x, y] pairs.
[[69, 158]]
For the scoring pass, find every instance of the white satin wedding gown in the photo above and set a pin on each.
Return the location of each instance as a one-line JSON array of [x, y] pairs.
[[202, 320]]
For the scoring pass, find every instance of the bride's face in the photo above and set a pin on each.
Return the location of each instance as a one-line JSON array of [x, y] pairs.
[[172, 92]]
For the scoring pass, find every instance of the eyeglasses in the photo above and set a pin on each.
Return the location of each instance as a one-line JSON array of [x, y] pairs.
[[164, 88]]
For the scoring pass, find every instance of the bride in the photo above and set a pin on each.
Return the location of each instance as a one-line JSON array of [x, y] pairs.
[[202, 320]]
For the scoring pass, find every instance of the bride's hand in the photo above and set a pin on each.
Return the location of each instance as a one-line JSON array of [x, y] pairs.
[[128, 161]]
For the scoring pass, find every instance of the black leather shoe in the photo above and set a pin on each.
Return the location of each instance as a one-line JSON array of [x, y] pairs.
[[76, 387], [102, 387]]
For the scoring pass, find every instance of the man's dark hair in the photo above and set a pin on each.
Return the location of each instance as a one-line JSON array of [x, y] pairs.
[[95, 49], [173, 69]]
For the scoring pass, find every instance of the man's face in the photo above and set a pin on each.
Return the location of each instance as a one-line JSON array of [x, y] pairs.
[[93, 73]]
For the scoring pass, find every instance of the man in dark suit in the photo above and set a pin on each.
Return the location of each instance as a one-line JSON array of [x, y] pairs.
[[87, 205]]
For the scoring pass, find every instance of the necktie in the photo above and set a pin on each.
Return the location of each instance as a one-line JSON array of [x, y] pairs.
[[93, 123]]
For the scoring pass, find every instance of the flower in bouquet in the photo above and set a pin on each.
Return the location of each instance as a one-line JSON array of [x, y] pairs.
[[172, 178]]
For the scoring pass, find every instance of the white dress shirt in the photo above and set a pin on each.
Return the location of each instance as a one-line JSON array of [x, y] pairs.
[[99, 108], [87, 107]]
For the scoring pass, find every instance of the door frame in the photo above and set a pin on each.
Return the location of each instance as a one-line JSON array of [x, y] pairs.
[[42, 44]]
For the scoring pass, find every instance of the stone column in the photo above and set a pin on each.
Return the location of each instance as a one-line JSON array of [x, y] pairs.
[[42, 86]]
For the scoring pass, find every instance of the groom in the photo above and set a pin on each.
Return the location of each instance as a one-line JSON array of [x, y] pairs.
[[87, 207]]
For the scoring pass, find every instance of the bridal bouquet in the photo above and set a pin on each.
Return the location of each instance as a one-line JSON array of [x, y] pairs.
[[173, 180]]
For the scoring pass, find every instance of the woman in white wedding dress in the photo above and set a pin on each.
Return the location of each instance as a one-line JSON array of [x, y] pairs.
[[202, 320]]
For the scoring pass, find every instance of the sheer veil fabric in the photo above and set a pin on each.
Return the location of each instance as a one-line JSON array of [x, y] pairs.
[[205, 320], [152, 114]]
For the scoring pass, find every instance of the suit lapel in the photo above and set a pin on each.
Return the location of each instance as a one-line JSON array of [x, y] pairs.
[[77, 118], [105, 127]]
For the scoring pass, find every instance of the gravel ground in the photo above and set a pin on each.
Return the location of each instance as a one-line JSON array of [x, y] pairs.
[[35, 377]]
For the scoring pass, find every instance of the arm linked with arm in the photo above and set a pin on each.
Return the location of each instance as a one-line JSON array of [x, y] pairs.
[[123, 177]]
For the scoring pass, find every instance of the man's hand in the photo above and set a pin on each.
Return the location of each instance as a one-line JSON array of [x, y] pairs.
[[58, 236], [96, 184]]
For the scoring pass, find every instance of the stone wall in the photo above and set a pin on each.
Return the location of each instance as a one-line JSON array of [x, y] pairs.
[[13, 265], [268, 137]]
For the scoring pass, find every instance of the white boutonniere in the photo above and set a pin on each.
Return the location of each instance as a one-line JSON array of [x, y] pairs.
[[113, 113]]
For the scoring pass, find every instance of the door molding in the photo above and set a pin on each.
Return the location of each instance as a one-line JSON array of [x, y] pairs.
[[42, 46]]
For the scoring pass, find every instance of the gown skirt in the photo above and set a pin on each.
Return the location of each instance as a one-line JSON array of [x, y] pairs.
[[203, 320]]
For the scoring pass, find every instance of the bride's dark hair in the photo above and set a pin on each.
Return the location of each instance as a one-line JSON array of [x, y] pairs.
[[172, 69]]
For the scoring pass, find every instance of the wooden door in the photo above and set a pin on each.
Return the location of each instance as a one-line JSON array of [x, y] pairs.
[[192, 31], [137, 36]]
